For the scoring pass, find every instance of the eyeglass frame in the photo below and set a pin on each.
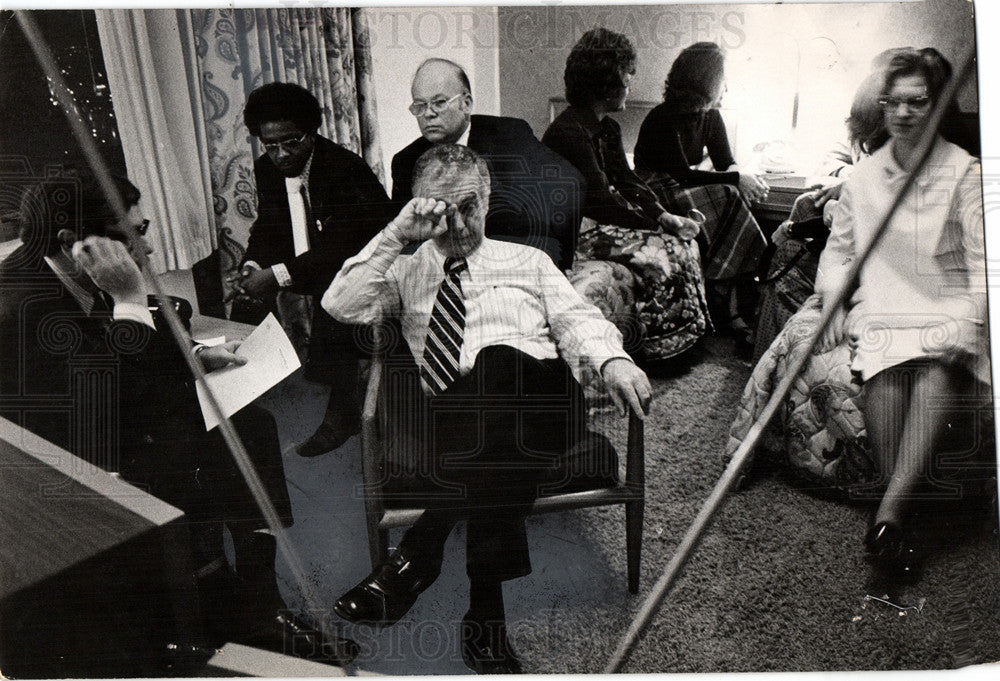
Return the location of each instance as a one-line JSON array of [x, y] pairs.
[[289, 144], [418, 109], [140, 230], [913, 104]]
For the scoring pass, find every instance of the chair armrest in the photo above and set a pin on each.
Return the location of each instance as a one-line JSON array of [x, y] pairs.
[[635, 455], [370, 407]]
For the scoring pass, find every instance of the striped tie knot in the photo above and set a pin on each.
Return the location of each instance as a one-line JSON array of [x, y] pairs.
[[455, 265], [445, 330]]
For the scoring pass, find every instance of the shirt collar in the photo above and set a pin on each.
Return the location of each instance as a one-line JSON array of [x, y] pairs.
[[585, 118], [472, 260], [891, 169], [303, 177]]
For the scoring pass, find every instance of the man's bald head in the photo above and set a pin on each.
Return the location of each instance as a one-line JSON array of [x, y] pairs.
[[442, 94], [447, 67]]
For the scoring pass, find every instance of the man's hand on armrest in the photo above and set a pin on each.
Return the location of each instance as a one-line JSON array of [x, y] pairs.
[[628, 385]]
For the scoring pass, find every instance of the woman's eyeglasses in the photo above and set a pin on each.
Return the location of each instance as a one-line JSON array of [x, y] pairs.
[[914, 104], [289, 144], [435, 105]]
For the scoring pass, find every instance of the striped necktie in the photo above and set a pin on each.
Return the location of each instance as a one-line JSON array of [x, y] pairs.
[[103, 304], [443, 346]]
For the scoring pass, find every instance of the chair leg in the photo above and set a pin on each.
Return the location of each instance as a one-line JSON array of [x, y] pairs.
[[634, 511], [378, 539], [381, 554]]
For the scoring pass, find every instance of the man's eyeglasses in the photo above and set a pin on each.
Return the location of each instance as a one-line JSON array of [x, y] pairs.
[[289, 144], [915, 104], [435, 105], [125, 237]]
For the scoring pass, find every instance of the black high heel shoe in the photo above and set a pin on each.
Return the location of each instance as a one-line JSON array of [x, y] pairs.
[[893, 553]]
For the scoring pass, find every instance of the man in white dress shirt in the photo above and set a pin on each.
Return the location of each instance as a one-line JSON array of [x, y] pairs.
[[482, 319]]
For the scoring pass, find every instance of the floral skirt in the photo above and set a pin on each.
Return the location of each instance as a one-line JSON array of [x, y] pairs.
[[671, 312]]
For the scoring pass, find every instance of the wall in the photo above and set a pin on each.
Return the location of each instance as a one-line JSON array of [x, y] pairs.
[[836, 42], [403, 37]]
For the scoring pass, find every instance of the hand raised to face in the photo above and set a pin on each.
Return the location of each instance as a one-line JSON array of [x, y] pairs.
[[110, 265], [421, 219]]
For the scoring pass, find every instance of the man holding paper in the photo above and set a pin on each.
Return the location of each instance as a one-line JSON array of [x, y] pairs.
[[86, 367]]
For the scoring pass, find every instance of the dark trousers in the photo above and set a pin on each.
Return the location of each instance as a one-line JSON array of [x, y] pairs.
[[498, 435], [195, 472]]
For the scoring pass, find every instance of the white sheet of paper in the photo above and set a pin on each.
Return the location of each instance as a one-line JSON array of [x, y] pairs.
[[271, 359]]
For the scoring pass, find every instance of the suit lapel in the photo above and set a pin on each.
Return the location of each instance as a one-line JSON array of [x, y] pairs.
[[321, 177], [478, 142]]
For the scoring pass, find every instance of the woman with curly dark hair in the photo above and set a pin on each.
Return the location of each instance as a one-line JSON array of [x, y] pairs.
[[633, 227], [674, 138]]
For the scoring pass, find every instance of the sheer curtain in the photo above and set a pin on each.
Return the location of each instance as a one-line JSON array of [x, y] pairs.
[[151, 72], [180, 79]]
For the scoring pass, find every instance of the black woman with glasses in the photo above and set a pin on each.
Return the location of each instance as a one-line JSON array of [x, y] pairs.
[[917, 319], [536, 195], [317, 205]]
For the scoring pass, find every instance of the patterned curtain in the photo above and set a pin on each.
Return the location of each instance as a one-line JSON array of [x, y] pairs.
[[327, 51]]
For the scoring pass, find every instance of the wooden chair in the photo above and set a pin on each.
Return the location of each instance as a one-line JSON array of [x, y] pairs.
[[377, 445]]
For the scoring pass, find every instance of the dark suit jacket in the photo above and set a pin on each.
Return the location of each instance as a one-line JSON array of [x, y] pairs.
[[536, 195], [119, 394], [346, 198], [352, 206], [615, 194]]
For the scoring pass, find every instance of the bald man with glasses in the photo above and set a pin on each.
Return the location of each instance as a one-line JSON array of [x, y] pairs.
[[536, 196]]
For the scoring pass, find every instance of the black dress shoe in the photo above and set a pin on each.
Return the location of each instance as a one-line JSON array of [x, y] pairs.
[[328, 436], [893, 553], [290, 635], [485, 648], [386, 594]]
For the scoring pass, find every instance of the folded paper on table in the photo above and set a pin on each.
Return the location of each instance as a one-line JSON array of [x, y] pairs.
[[270, 359]]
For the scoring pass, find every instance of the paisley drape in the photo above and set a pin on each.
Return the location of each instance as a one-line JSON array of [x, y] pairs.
[[325, 50]]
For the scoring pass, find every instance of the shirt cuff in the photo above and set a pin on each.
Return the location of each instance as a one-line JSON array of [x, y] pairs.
[[252, 264], [600, 365], [133, 312], [281, 275]]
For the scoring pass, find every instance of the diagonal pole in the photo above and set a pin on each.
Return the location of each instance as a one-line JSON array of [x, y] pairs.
[[742, 456], [229, 434]]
